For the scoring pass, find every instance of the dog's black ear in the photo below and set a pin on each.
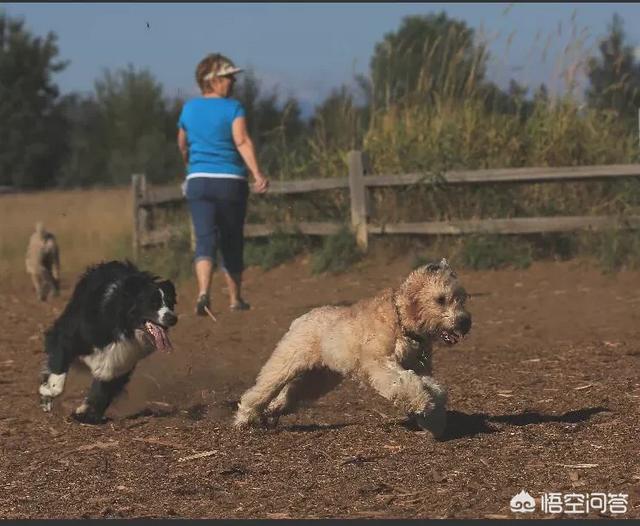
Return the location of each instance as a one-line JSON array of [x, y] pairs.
[[131, 288], [119, 300], [169, 290], [133, 285]]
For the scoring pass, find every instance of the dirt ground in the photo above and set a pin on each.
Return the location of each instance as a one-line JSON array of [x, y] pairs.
[[544, 397]]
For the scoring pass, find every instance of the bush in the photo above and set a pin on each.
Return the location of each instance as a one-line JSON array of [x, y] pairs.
[[274, 250], [173, 261], [557, 246], [494, 252], [337, 254], [615, 249]]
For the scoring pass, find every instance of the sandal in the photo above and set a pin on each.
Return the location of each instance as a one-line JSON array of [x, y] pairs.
[[203, 302], [240, 305]]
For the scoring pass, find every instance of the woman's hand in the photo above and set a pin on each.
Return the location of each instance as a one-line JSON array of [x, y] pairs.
[[261, 183], [245, 148]]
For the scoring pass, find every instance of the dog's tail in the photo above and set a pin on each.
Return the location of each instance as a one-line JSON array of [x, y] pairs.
[[40, 228]]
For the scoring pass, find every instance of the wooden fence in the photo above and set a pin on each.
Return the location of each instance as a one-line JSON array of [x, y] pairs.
[[146, 198]]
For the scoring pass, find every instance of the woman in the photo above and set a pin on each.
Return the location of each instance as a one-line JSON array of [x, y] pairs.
[[217, 151]]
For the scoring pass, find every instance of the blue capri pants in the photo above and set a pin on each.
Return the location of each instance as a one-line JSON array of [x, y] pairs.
[[218, 208]]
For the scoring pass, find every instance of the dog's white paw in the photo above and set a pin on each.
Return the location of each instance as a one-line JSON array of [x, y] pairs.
[[46, 403], [82, 408]]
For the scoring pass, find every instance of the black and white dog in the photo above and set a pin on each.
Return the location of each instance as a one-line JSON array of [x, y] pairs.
[[116, 316]]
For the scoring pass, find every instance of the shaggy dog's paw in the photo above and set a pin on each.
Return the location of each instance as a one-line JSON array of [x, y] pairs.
[[434, 421], [46, 403], [241, 421], [269, 421], [244, 420]]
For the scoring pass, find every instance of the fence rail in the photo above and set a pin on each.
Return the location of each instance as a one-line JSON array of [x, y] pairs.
[[147, 197]]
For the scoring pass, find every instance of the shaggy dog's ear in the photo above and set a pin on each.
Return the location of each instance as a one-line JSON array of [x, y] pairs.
[[442, 266], [412, 311], [409, 299], [432, 267]]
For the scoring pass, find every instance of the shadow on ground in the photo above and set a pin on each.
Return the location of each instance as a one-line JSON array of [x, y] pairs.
[[461, 425]]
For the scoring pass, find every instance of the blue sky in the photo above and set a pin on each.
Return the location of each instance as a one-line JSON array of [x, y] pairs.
[[306, 49]]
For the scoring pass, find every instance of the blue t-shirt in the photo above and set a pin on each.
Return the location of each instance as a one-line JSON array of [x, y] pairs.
[[207, 121]]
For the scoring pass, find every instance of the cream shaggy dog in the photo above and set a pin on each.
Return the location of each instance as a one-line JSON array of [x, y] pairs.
[[42, 262], [386, 341]]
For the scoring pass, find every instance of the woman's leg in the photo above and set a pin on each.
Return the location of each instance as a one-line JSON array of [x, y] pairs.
[[204, 267], [230, 220], [203, 213], [234, 285]]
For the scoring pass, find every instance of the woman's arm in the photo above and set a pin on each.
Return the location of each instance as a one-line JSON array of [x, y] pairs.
[[183, 146], [244, 144]]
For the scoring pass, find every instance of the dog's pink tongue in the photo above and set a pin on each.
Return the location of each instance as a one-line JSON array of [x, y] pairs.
[[160, 337]]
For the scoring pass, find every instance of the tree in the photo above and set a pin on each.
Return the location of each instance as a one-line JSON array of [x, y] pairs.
[[87, 157], [276, 127], [265, 114], [513, 101], [614, 77], [126, 127], [541, 95], [428, 56], [33, 131], [337, 122]]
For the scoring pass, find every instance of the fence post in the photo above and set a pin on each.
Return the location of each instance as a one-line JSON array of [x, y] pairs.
[[358, 196], [138, 188]]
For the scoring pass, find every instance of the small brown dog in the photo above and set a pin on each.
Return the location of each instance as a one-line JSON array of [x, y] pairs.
[[386, 340], [43, 262]]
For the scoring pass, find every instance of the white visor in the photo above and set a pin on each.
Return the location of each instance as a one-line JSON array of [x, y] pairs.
[[225, 70]]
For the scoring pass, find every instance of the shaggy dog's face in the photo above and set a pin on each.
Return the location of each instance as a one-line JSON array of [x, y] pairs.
[[433, 303], [149, 308]]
